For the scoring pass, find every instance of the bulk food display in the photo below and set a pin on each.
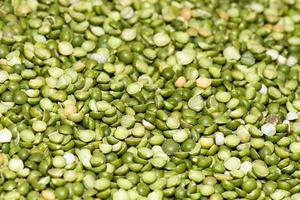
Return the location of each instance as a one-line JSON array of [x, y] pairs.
[[149, 99]]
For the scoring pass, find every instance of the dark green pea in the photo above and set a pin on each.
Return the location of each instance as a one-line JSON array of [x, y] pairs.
[[19, 97], [9, 185], [24, 188], [180, 168], [204, 162], [295, 189], [53, 9], [77, 40], [5, 148], [44, 166], [168, 73], [33, 195], [143, 189], [133, 177], [283, 185], [188, 145], [137, 46], [13, 86], [205, 121], [218, 167], [271, 159], [4, 50], [248, 185], [269, 187], [66, 34], [125, 56], [18, 68], [233, 125], [254, 194], [227, 185], [180, 193], [170, 147], [240, 192], [169, 192], [23, 153], [111, 157], [7, 96], [77, 188], [61, 193]]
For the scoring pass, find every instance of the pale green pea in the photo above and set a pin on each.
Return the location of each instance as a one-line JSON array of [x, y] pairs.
[[109, 68], [121, 194], [149, 53], [65, 48], [27, 135], [205, 62], [173, 122], [156, 195], [295, 147], [39, 126], [232, 163], [180, 136], [224, 154], [161, 39], [215, 71], [251, 119], [274, 93], [46, 104], [173, 180], [257, 143], [231, 53], [124, 183], [206, 190], [270, 72], [181, 37], [250, 93], [296, 104], [133, 88], [128, 34], [223, 97], [105, 148], [233, 103], [42, 53], [127, 12], [252, 77], [156, 139], [254, 131], [237, 113], [127, 121], [158, 184], [260, 169], [121, 133], [59, 161], [196, 103], [149, 177], [138, 130], [79, 52], [114, 42], [196, 176], [185, 56], [232, 140], [86, 135], [145, 152], [255, 46], [229, 195], [158, 162], [88, 45], [15, 164], [238, 75], [3, 76]]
